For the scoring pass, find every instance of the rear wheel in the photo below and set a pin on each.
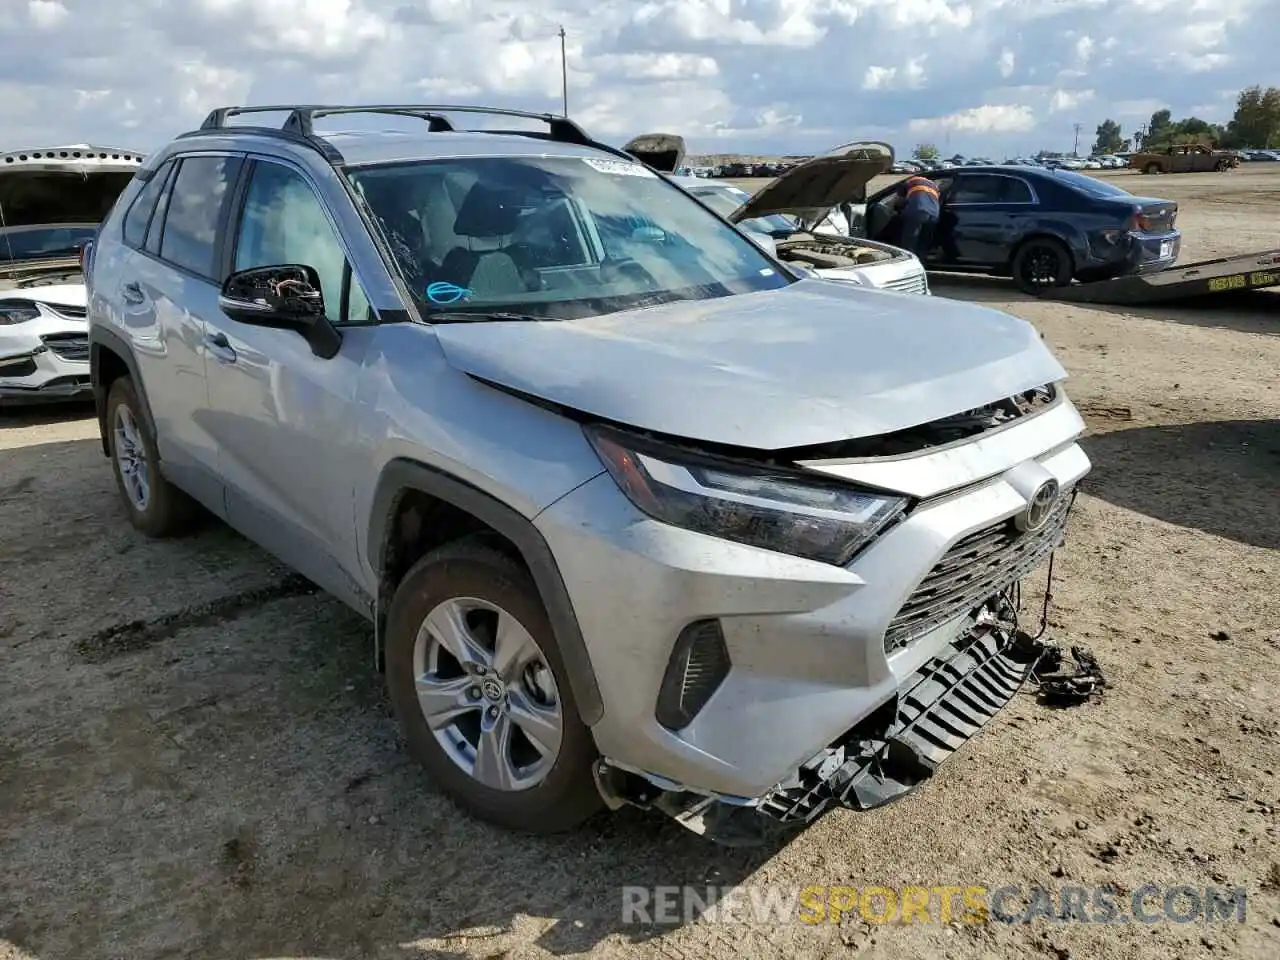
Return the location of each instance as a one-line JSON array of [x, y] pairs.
[[1041, 264], [155, 506], [1151, 168], [482, 694]]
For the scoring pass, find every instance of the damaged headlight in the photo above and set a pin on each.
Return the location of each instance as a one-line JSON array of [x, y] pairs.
[[771, 508], [11, 313]]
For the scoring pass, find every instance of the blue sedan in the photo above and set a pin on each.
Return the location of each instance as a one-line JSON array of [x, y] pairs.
[[1042, 227]]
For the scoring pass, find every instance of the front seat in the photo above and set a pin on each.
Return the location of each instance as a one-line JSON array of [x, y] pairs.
[[488, 214]]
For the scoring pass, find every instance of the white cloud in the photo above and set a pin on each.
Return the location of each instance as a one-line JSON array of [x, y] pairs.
[[783, 75], [46, 14], [1068, 99], [910, 76], [1005, 118]]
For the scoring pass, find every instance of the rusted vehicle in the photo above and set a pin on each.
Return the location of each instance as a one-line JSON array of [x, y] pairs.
[[1184, 158]]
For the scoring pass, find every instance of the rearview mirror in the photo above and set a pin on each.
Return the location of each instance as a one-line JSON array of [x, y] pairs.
[[287, 296]]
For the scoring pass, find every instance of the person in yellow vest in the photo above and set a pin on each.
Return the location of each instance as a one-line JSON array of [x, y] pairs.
[[920, 207]]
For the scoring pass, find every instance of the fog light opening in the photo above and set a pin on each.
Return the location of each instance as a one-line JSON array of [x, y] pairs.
[[699, 663]]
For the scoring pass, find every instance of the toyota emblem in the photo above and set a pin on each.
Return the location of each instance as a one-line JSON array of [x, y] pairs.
[[1039, 506]]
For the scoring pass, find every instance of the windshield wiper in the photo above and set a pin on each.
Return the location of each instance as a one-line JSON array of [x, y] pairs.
[[480, 317]]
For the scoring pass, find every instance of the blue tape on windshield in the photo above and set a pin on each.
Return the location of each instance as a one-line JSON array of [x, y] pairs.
[[444, 292]]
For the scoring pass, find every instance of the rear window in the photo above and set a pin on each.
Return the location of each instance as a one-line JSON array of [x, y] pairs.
[[24, 243], [1090, 185]]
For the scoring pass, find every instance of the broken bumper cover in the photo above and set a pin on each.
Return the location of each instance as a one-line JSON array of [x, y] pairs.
[[54, 367], [938, 709]]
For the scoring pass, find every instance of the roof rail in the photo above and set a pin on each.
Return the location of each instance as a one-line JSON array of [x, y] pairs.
[[299, 126]]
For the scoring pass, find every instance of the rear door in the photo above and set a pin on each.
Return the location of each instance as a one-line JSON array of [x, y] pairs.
[[166, 288], [281, 416]]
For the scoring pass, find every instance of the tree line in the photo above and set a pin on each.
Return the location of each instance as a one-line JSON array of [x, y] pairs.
[[1256, 123]]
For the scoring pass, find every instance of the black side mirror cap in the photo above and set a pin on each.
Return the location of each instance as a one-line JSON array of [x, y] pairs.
[[286, 296]]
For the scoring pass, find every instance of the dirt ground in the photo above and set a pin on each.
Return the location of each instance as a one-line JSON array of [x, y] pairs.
[[198, 760]]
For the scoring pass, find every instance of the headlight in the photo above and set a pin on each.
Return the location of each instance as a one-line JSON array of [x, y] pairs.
[[17, 313], [775, 509]]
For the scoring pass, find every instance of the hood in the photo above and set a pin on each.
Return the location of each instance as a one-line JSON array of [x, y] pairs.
[[811, 363], [810, 191], [69, 187], [663, 152]]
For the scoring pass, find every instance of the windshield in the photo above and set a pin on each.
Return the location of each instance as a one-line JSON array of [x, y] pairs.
[[1099, 188], [554, 237], [34, 243], [726, 201]]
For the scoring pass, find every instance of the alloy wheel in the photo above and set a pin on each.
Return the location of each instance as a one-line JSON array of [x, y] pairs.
[[131, 458], [487, 694]]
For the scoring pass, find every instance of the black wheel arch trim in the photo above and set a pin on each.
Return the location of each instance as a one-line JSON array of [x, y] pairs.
[[402, 475], [101, 338]]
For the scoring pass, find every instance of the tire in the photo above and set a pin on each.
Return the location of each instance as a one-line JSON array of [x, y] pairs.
[[1151, 168], [1222, 166], [163, 510], [559, 792], [1041, 264]]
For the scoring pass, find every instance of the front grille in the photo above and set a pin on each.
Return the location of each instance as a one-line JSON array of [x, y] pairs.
[[976, 568], [68, 346], [69, 310], [911, 284]]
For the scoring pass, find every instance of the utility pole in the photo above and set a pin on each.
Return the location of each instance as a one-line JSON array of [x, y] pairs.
[[1075, 150], [564, 75]]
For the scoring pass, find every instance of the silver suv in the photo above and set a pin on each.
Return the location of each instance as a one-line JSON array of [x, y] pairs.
[[638, 515]]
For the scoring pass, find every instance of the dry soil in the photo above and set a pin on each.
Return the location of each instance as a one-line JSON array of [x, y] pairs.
[[197, 758]]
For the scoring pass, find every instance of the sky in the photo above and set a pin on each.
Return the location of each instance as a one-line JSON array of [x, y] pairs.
[[990, 78]]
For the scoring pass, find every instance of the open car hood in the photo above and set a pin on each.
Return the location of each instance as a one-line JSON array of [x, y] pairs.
[[77, 183], [810, 191], [663, 152]]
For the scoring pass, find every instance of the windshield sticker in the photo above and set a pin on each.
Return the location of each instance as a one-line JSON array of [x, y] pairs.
[[443, 292], [619, 168]]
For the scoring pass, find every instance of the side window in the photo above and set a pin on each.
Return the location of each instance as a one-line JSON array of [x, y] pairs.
[[139, 214], [284, 222], [195, 205], [1014, 190], [978, 188]]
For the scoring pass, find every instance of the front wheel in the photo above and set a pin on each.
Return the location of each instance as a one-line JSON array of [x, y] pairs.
[[1042, 264], [481, 692]]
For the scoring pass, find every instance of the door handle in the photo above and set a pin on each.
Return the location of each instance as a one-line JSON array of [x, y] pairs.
[[132, 293], [220, 347]]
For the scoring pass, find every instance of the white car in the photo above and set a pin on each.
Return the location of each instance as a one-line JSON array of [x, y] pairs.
[[51, 203], [798, 215]]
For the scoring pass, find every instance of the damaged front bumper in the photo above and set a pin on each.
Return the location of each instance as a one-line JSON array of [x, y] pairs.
[[44, 360], [948, 699]]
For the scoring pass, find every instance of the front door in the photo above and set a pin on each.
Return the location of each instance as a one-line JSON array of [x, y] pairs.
[[981, 222], [282, 416]]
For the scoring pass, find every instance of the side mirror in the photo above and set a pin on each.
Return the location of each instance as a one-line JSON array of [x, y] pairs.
[[286, 297]]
